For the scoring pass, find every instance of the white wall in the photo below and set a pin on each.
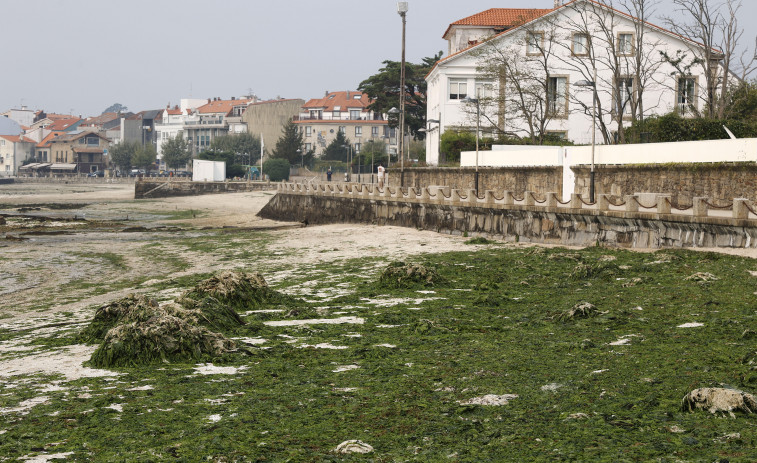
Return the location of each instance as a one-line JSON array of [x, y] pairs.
[[740, 150], [208, 171]]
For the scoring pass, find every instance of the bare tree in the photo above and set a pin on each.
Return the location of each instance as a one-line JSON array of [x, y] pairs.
[[597, 42], [519, 104], [714, 28]]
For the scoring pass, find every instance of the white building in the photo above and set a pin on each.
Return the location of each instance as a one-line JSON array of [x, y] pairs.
[[173, 119], [14, 150], [542, 55]]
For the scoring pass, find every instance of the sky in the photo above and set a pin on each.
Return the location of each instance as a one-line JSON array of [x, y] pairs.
[[80, 56]]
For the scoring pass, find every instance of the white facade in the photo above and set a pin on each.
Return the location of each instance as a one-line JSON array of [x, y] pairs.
[[14, 150], [174, 119], [457, 76]]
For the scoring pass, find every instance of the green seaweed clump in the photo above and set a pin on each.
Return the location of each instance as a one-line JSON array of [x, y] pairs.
[[238, 290], [402, 275], [159, 337]]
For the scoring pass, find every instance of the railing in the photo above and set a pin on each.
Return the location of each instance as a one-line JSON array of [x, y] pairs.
[[339, 118], [739, 208]]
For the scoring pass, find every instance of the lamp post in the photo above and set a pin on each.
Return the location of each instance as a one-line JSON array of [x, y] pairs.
[[593, 85], [475, 101], [402, 11]]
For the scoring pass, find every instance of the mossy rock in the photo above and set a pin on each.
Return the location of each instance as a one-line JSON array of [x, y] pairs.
[[402, 275]]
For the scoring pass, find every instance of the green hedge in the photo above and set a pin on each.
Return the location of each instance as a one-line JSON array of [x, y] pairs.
[[672, 127], [276, 169]]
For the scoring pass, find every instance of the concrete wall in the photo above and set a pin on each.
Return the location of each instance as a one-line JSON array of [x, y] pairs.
[[519, 222], [162, 189], [269, 118], [740, 150]]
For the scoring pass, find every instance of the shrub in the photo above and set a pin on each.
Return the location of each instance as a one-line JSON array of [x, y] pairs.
[[276, 169]]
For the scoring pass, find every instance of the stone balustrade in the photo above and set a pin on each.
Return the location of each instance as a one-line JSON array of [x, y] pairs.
[[740, 208]]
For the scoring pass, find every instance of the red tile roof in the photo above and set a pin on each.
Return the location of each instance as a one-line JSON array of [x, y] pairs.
[[503, 18], [222, 106], [45, 143], [17, 139], [345, 100], [62, 124]]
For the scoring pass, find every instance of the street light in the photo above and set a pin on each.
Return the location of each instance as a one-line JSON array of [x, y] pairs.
[[593, 85], [475, 101], [392, 115], [438, 122], [402, 11]]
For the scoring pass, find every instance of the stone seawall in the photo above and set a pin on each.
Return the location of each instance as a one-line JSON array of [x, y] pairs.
[[521, 223], [163, 189]]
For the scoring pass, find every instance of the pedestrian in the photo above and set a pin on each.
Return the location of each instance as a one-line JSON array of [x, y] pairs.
[[381, 175], [328, 174]]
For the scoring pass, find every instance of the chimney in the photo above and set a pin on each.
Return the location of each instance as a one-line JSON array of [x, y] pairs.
[[208, 100], [233, 98], [327, 94], [558, 3]]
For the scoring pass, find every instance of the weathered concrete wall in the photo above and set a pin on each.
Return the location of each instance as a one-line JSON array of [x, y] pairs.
[[152, 189], [719, 182], [518, 180], [521, 223]]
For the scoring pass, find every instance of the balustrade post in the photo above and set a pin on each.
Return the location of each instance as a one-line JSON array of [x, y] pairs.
[[740, 210], [700, 206], [575, 201], [632, 203], [604, 202], [551, 199], [663, 204], [528, 198], [508, 198], [456, 199], [489, 198], [472, 197]]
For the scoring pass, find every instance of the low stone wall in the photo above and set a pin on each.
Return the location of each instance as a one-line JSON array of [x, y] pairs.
[[718, 181], [539, 179], [518, 222], [161, 189]]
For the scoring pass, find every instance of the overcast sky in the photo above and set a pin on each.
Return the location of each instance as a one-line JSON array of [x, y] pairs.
[[81, 56]]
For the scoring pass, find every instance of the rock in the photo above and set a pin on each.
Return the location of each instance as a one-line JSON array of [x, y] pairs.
[[580, 310], [719, 400], [702, 277], [490, 399], [353, 446]]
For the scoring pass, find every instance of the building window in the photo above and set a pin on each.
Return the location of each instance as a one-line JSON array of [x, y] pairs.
[[374, 132], [580, 44], [342, 129], [2, 142], [308, 131], [308, 146], [558, 134], [484, 89], [357, 147], [686, 95], [354, 114], [337, 114], [625, 44], [534, 41], [625, 95], [358, 131], [557, 96], [458, 89]]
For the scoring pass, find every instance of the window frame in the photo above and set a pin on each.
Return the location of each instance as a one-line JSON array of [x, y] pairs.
[[358, 131], [457, 81], [552, 109], [616, 107], [586, 46], [631, 44], [537, 49], [694, 98]]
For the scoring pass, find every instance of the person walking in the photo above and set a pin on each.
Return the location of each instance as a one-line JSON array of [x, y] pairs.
[[328, 174], [381, 175]]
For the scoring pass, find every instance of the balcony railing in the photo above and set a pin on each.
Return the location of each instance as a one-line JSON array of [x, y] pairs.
[[331, 118]]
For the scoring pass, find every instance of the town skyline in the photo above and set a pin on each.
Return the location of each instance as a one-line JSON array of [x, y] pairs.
[[196, 50]]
